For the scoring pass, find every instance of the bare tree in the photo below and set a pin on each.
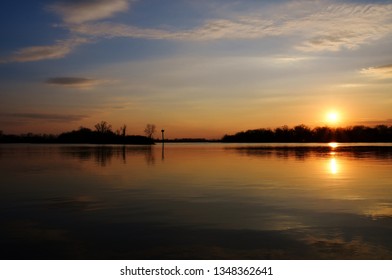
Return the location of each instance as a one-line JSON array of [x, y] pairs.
[[123, 130], [103, 127], [149, 130]]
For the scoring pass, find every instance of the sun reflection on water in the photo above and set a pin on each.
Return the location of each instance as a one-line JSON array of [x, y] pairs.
[[333, 166], [333, 145]]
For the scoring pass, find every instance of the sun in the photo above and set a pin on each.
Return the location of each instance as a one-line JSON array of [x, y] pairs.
[[333, 117]]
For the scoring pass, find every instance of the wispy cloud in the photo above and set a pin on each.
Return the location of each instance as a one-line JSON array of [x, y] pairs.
[[46, 117], [290, 59], [76, 82], [79, 11], [111, 30], [376, 122], [379, 72], [71, 12], [245, 27], [242, 28], [318, 26], [351, 85], [56, 51], [344, 26], [313, 26]]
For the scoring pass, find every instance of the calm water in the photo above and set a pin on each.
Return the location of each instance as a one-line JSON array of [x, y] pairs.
[[192, 201]]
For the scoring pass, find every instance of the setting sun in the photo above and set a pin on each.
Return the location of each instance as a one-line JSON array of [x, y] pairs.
[[332, 117]]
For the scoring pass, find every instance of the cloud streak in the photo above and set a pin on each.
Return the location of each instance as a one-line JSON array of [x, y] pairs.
[[75, 12], [35, 53], [314, 26], [379, 72], [318, 26], [112, 30], [376, 122], [347, 26], [71, 12], [76, 82], [46, 117]]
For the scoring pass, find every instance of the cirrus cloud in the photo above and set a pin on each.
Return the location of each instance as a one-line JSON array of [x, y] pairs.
[[76, 82], [35, 53], [71, 12], [318, 26], [74, 12], [312, 26]]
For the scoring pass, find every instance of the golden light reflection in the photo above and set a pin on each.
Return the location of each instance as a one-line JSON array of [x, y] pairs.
[[382, 210], [333, 145], [333, 166]]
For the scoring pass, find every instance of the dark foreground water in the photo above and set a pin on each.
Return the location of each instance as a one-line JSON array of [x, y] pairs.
[[196, 201]]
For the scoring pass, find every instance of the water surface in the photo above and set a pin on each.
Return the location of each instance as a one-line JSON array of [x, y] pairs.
[[196, 201]]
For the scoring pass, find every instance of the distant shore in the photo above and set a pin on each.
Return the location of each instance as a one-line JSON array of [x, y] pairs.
[[81, 136], [305, 134], [284, 134]]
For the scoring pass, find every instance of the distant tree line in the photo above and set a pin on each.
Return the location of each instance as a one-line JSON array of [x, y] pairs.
[[27, 138], [303, 133], [103, 134], [189, 140]]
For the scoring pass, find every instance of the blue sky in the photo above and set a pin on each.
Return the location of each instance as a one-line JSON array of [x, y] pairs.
[[195, 68]]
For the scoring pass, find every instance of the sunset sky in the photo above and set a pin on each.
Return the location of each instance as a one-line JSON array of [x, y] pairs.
[[195, 68]]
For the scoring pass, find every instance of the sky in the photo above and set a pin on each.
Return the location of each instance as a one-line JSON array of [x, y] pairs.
[[194, 68]]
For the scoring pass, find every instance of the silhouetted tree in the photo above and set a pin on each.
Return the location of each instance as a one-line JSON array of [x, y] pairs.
[[102, 135], [282, 134], [322, 134], [123, 130], [302, 133], [103, 127], [149, 130]]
